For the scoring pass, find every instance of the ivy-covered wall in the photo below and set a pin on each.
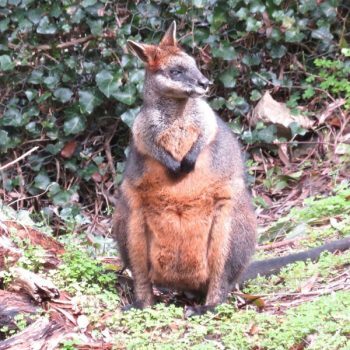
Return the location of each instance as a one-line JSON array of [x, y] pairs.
[[69, 86]]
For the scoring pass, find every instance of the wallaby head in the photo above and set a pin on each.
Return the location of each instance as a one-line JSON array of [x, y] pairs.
[[170, 71]]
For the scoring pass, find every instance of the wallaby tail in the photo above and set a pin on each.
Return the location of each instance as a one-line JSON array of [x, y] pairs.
[[272, 266]]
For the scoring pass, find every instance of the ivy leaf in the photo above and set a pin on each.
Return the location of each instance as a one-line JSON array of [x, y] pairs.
[[51, 81], [61, 198], [228, 77], [6, 64], [74, 125], [198, 3], [255, 95], [63, 94], [129, 116], [35, 15], [217, 103], [267, 134], [88, 101], [225, 51], [42, 181], [32, 128], [242, 13], [218, 18], [251, 60], [322, 33], [4, 25], [77, 14], [126, 95], [278, 51], [30, 94], [107, 83], [296, 129], [4, 139], [87, 3], [13, 117], [252, 25], [294, 36], [36, 77], [45, 27], [96, 26]]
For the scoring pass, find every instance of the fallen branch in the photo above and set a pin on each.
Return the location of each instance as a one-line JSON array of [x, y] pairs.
[[11, 305], [9, 253], [32, 284], [42, 335]]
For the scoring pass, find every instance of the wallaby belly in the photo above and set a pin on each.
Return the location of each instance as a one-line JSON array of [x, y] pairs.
[[178, 237]]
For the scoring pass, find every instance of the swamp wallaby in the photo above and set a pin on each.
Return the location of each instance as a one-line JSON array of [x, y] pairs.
[[183, 218]]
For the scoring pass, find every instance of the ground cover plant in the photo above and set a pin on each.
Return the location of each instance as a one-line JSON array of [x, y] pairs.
[[305, 306]]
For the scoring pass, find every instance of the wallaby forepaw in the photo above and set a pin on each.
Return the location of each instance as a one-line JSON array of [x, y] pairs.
[[191, 311], [188, 164], [174, 169]]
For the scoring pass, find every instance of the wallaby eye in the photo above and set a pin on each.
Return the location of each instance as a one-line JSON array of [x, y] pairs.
[[175, 72]]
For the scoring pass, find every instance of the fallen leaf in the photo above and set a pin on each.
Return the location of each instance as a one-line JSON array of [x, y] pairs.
[[69, 149], [271, 111], [252, 299], [283, 154], [97, 177], [253, 329], [329, 110]]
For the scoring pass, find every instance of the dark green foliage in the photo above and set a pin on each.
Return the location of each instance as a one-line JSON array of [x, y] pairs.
[[65, 75]]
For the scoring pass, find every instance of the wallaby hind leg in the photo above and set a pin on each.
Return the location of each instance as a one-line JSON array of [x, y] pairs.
[[129, 229], [119, 228], [218, 251], [242, 243], [232, 243], [138, 253]]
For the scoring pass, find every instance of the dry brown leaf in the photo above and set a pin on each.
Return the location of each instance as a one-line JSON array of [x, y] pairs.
[[330, 109], [97, 177], [271, 111], [253, 329], [283, 154], [69, 149]]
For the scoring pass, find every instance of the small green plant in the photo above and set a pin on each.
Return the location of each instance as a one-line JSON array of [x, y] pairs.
[[33, 255], [80, 272], [69, 344], [332, 76], [20, 323], [315, 210]]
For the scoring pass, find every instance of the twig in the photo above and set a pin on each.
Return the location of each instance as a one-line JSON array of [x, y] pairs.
[[8, 165], [107, 148], [21, 183], [64, 45], [31, 197], [278, 244]]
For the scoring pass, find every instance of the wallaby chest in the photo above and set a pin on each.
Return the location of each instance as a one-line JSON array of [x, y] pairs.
[[178, 138]]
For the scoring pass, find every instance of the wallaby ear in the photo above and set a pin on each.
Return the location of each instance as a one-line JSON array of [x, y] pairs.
[[142, 51], [169, 38]]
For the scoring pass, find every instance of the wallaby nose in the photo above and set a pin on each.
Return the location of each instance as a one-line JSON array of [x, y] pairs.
[[204, 82]]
